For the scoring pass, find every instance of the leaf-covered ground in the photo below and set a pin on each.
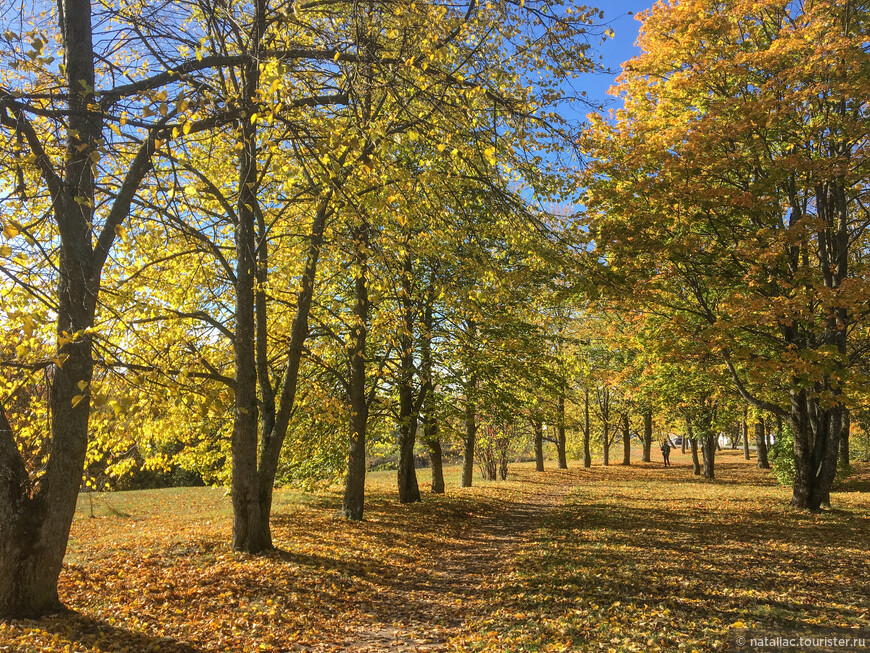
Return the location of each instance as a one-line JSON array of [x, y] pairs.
[[640, 558]]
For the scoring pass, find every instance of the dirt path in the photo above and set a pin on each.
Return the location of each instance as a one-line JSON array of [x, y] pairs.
[[424, 613]]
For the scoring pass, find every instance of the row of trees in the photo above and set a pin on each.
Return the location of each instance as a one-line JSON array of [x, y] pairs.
[[255, 238], [227, 222], [727, 207]]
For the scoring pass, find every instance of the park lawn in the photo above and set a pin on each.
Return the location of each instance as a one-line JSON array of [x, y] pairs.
[[646, 559], [639, 558]]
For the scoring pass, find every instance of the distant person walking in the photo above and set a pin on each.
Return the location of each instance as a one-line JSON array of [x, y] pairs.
[[666, 453]]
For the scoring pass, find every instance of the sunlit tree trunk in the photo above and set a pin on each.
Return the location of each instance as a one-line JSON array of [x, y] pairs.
[[354, 487], [647, 435], [409, 490], [35, 523], [250, 534], [626, 440], [560, 429], [430, 421], [708, 444], [470, 418], [761, 445], [587, 455], [470, 432], [693, 443], [745, 427], [538, 430]]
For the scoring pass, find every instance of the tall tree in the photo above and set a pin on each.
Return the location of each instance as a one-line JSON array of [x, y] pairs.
[[742, 215]]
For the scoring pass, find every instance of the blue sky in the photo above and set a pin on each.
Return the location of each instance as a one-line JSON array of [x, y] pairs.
[[618, 49]]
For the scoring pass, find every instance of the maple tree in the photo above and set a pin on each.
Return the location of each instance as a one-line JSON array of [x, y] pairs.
[[728, 192]]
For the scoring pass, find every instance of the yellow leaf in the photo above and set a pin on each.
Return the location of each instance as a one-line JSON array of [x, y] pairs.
[[5, 250], [81, 385], [253, 118], [77, 400]]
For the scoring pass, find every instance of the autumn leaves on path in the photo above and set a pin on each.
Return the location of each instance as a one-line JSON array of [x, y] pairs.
[[636, 558], [153, 571], [447, 597]]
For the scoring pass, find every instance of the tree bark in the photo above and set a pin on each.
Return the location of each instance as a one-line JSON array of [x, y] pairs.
[[470, 418], [693, 442], [626, 440], [249, 531], [605, 443], [271, 441], [708, 444], [538, 429], [409, 490], [470, 432], [436, 460], [560, 429], [647, 435], [696, 463], [354, 488], [817, 433], [844, 459], [35, 521], [745, 426], [761, 445], [587, 455], [430, 422]]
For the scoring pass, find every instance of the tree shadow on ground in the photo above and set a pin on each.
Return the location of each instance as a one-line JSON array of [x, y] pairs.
[[98, 634]]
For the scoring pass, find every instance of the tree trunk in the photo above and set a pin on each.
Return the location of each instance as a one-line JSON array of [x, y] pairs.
[[626, 441], [409, 491], [249, 532], [587, 456], [647, 435], [844, 460], [271, 441], [605, 442], [696, 464], [436, 460], [30, 557], [430, 422], [761, 445], [470, 431], [745, 425], [683, 445], [35, 523], [354, 488], [817, 433], [538, 429], [709, 442], [560, 429]]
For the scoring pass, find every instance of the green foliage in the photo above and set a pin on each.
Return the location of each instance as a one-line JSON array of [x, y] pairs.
[[781, 456]]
